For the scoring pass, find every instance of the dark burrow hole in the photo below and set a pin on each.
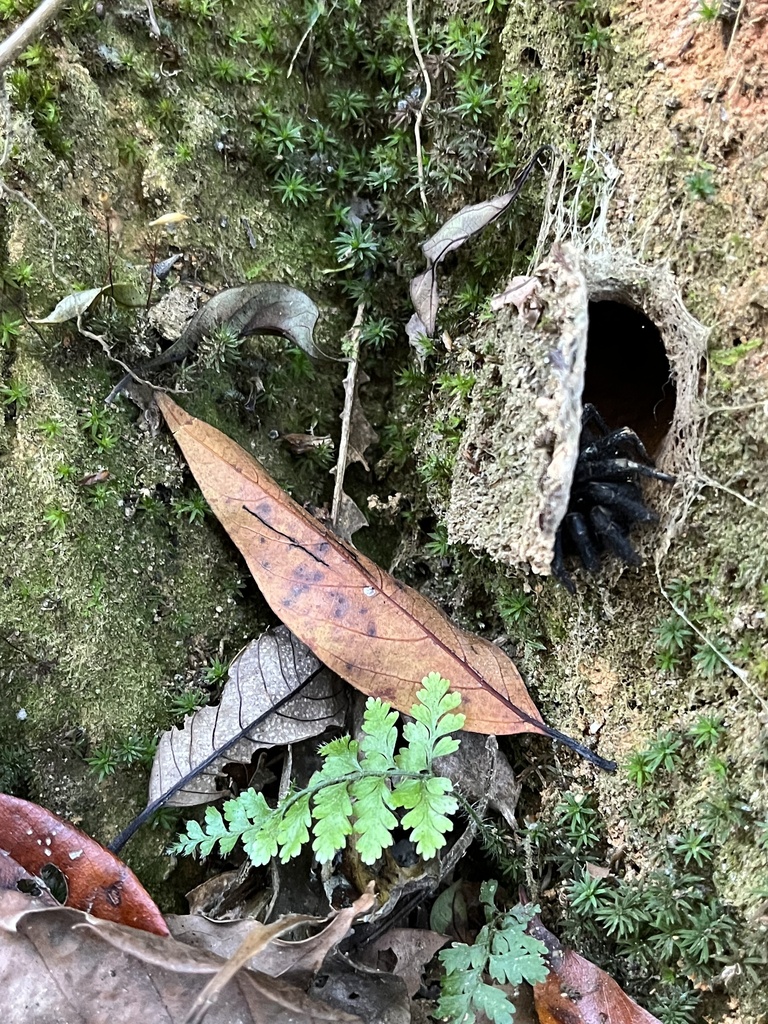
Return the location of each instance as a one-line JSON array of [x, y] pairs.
[[529, 56], [627, 376]]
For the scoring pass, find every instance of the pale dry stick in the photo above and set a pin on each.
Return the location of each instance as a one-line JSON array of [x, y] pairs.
[[7, 122], [154, 28], [738, 672], [350, 382], [310, 26], [424, 103], [32, 26], [710, 116], [749, 407]]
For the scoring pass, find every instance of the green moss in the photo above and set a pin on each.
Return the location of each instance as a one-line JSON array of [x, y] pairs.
[[110, 618]]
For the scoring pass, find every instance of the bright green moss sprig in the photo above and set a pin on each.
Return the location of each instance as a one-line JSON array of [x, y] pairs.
[[355, 793]]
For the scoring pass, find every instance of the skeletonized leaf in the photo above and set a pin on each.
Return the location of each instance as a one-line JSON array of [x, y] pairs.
[[277, 693], [375, 632], [263, 307], [97, 881]]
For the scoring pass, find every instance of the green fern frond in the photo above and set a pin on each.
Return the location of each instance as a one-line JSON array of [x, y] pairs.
[[355, 793], [503, 953]]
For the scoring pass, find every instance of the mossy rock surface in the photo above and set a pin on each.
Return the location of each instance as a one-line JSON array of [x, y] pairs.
[[113, 602]]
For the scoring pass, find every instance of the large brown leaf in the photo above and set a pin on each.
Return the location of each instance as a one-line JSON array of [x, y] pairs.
[[378, 634]]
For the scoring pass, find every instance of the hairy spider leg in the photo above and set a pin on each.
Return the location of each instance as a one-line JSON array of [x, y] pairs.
[[579, 531], [606, 499], [592, 423], [624, 442], [612, 535], [623, 498], [558, 564], [617, 469]]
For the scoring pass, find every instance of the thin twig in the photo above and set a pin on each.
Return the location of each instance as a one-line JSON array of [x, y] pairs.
[[424, 102], [7, 121], [154, 28], [312, 22], [152, 261], [748, 407], [101, 340], [350, 386], [27, 30]]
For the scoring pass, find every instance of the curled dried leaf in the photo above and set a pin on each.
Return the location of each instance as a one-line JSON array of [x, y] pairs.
[[97, 881], [458, 229], [263, 307]]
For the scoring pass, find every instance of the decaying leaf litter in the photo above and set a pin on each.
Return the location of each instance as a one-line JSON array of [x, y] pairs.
[[234, 484], [50, 954]]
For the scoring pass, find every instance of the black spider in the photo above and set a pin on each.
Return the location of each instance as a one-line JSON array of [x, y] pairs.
[[606, 500]]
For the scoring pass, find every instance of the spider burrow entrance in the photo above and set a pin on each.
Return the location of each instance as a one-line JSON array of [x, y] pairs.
[[607, 331], [628, 377]]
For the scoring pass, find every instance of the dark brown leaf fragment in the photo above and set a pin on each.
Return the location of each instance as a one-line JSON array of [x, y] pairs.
[[263, 307]]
